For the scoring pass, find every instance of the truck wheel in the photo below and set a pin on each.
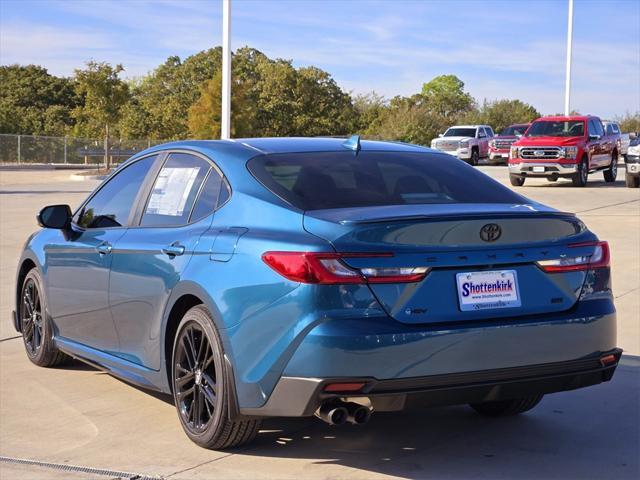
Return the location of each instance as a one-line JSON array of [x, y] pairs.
[[474, 157], [503, 408], [516, 181], [611, 173], [632, 181], [201, 389], [579, 179]]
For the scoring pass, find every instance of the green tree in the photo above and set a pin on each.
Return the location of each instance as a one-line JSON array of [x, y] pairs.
[[34, 102], [205, 114], [103, 95], [629, 122], [368, 108], [499, 114], [446, 97]]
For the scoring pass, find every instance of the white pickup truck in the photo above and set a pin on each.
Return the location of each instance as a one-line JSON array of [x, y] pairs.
[[612, 129], [467, 142]]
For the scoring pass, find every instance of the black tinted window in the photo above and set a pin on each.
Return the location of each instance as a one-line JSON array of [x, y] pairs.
[[312, 181], [175, 190], [110, 207], [209, 196], [460, 132]]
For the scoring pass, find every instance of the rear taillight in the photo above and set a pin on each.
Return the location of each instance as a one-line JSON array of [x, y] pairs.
[[329, 269], [599, 258]]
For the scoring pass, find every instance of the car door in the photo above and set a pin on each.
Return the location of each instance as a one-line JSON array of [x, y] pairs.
[[149, 259], [483, 142], [78, 264], [601, 150]]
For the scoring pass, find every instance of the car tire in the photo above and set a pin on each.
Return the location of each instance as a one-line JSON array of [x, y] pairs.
[[611, 173], [579, 179], [201, 387], [35, 324], [475, 157], [504, 408], [516, 181], [632, 181]]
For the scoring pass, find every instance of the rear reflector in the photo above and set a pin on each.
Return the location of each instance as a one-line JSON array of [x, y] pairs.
[[344, 387], [608, 360], [329, 269], [599, 258]]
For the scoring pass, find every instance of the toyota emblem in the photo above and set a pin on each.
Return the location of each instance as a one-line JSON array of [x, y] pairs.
[[490, 232]]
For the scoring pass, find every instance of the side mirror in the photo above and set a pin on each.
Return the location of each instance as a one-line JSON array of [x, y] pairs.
[[594, 137], [55, 216], [440, 135]]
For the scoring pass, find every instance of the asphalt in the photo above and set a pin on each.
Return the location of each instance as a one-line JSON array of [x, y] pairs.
[[78, 423]]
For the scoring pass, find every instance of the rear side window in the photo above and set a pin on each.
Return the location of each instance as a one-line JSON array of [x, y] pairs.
[[111, 205], [314, 181], [175, 190], [214, 193]]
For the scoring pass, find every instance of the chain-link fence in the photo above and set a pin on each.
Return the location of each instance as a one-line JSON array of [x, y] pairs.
[[40, 150]]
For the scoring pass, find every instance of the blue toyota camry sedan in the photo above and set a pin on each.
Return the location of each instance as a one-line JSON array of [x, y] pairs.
[[290, 277]]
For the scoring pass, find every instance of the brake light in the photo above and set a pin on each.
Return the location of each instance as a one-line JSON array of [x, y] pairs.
[[598, 259], [329, 269]]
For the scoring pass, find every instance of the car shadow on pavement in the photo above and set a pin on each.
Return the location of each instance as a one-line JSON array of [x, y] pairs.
[[586, 433]]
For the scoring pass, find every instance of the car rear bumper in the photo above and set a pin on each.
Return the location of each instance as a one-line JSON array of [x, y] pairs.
[[300, 397], [396, 359], [526, 169]]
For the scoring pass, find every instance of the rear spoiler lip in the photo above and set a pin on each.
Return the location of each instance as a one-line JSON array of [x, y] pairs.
[[488, 215]]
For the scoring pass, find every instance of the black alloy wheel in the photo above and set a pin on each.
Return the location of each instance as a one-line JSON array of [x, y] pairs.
[[31, 317], [201, 387], [195, 378], [36, 328]]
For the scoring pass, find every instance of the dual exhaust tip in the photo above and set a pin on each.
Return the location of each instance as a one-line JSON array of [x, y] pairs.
[[339, 413]]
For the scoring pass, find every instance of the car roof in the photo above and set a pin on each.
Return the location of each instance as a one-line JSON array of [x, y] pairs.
[[563, 118], [321, 144], [469, 126]]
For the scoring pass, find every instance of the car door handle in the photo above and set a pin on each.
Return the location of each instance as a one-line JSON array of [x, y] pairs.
[[173, 250], [104, 248]]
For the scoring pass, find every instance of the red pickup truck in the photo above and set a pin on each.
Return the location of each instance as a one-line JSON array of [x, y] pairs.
[[500, 145], [563, 147]]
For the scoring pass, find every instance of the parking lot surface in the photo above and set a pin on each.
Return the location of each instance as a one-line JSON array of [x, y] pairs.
[[79, 416]]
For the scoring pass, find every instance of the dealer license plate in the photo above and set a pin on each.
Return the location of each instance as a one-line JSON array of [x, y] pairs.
[[538, 169], [488, 290]]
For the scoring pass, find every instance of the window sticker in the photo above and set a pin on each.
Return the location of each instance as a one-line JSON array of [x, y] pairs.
[[171, 191]]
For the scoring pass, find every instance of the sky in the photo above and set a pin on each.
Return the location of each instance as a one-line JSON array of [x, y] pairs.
[[498, 48]]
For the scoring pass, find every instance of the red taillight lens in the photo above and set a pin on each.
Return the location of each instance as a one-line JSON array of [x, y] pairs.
[[344, 387], [598, 259], [329, 269]]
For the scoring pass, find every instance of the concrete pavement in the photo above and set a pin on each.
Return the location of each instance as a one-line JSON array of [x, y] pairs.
[[79, 416]]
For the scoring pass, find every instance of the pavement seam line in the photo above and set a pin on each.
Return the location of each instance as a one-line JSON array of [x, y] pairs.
[[77, 468], [626, 293], [9, 338], [606, 206]]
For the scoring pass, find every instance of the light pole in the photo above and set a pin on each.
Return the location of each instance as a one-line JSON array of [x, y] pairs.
[[567, 80], [225, 129]]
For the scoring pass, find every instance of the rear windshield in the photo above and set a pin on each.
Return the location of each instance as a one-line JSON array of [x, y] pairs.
[[315, 181], [547, 128]]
